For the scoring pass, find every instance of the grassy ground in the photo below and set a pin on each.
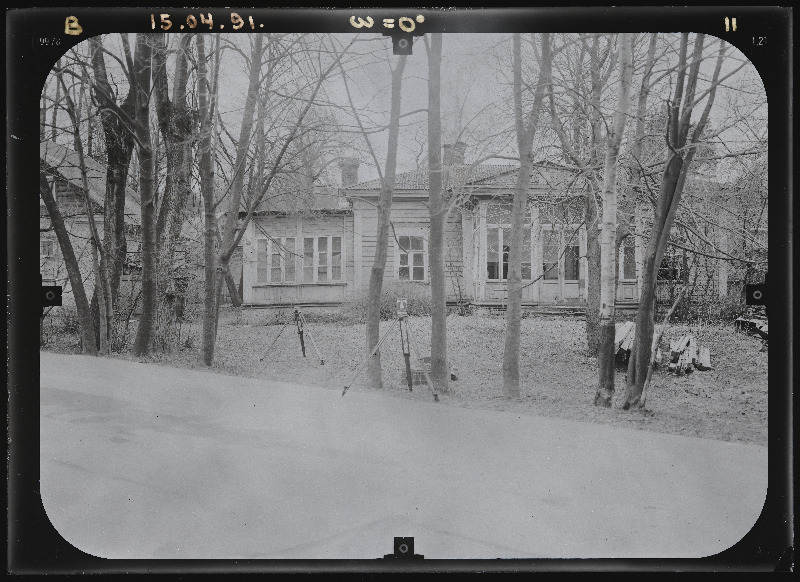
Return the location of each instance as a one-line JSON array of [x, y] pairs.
[[727, 403]]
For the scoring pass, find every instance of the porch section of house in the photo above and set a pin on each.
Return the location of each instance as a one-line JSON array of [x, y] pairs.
[[299, 292]]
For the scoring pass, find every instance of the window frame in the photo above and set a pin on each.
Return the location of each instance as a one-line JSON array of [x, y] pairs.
[[561, 249], [501, 227], [630, 241], [409, 252], [302, 279], [283, 261]]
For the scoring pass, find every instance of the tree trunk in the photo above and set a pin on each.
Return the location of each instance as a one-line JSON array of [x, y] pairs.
[[526, 131], [374, 376], [592, 274], [98, 260], [440, 374], [142, 70], [681, 154], [88, 341], [608, 236], [228, 246]]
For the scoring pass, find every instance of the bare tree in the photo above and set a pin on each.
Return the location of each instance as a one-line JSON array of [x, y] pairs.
[[526, 127], [101, 283], [88, 341], [142, 72], [681, 148], [608, 236], [440, 375]]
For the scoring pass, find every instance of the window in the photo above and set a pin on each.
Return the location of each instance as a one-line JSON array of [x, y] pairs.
[[572, 256], [322, 259], [498, 242], [413, 260], [550, 244], [558, 241], [46, 248], [627, 259], [275, 259]]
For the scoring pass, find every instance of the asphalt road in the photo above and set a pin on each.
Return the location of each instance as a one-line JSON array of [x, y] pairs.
[[145, 461]]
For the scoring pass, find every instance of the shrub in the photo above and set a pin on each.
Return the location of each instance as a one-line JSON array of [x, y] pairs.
[[417, 294]]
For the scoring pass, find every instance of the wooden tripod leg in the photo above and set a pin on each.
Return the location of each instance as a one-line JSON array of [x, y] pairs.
[[404, 344], [424, 369], [372, 353]]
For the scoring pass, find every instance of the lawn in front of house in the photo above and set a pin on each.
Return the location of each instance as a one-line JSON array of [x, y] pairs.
[[728, 402]]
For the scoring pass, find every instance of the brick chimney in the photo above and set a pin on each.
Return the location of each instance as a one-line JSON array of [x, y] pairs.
[[349, 168], [453, 154]]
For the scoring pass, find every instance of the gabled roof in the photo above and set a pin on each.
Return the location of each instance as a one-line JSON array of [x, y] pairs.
[[478, 176], [66, 163]]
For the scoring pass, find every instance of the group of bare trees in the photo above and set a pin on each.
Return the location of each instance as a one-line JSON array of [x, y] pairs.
[[587, 101], [164, 133]]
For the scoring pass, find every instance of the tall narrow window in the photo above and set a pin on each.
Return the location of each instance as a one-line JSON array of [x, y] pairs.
[[526, 254], [336, 258], [322, 259], [262, 272], [288, 259], [492, 252], [498, 242], [628, 258], [550, 240], [308, 259], [571, 262]]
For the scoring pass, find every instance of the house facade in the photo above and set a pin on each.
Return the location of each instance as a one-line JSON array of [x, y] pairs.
[[63, 170], [324, 254]]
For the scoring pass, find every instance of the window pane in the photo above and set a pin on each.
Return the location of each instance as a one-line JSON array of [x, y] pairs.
[[506, 250], [571, 257], [403, 275], [629, 261], [405, 245], [550, 271], [262, 259], [308, 260], [336, 258], [419, 273], [492, 253], [416, 243], [526, 271], [289, 258], [322, 244], [403, 260], [419, 260], [262, 250]]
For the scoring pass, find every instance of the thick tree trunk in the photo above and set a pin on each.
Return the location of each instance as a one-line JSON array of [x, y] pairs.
[[526, 131], [142, 69], [608, 236], [88, 341], [374, 376], [440, 374]]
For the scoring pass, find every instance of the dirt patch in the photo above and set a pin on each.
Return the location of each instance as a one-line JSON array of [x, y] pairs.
[[728, 402]]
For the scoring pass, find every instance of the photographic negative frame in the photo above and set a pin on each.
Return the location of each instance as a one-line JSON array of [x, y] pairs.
[[37, 38]]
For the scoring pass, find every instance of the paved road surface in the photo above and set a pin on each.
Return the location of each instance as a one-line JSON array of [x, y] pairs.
[[145, 461]]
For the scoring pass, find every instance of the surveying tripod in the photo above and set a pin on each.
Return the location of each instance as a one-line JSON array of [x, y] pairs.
[[300, 321], [405, 344]]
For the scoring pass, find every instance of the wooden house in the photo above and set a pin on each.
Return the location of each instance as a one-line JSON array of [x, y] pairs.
[[322, 253], [63, 170]]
